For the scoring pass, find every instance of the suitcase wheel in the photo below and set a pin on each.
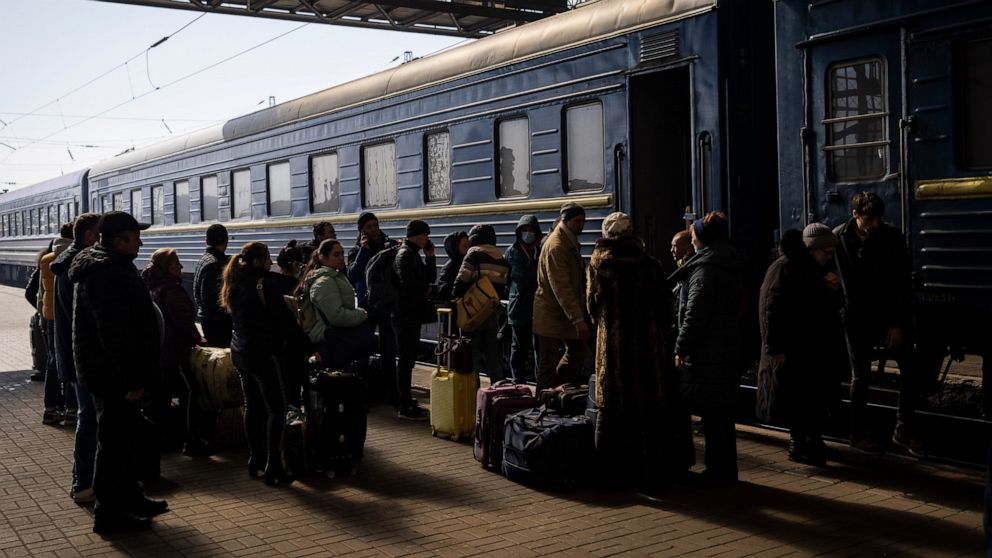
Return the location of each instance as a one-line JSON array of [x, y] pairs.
[[331, 473], [455, 436]]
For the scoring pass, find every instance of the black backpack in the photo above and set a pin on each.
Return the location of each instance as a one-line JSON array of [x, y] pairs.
[[31, 291], [381, 282]]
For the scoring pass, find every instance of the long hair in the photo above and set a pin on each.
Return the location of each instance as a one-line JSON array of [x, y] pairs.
[[323, 250], [235, 267]]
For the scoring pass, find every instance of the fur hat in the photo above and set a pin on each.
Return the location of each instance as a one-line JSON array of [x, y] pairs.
[[818, 235], [617, 224]]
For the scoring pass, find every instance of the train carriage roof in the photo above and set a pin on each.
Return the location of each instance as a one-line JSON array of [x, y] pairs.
[[65, 181], [588, 23]]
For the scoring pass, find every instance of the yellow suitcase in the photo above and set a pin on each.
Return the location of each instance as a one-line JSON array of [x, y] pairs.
[[452, 393]]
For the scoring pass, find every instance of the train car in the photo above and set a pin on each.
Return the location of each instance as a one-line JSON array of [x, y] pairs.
[[31, 216], [893, 97], [649, 106]]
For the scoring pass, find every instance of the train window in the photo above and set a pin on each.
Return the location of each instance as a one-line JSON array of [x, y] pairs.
[[119, 201], [856, 131], [324, 193], [53, 225], [3, 225], [105, 204], [975, 113], [136, 204], [158, 205], [584, 147], [279, 189], [181, 202], [39, 221], [241, 194], [63, 210], [208, 198], [437, 161], [514, 158], [379, 163]]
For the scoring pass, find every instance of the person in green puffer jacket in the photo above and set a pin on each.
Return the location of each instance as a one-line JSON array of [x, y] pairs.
[[342, 332]]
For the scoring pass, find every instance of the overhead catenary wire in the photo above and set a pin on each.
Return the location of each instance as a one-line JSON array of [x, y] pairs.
[[146, 93]]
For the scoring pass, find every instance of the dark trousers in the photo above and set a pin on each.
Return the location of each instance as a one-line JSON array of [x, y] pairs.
[[559, 361], [217, 332], [720, 435], [179, 381], [265, 405], [987, 516], [407, 345], [860, 348], [119, 437], [522, 347], [383, 322]]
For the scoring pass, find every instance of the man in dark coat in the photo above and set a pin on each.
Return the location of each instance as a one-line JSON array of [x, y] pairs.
[[322, 231], [708, 346], [643, 435], [412, 306], [875, 270], [115, 347], [85, 232], [371, 240], [216, 323], [799, 317]]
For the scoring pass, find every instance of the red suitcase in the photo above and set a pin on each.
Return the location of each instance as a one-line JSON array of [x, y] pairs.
[[492, 406]]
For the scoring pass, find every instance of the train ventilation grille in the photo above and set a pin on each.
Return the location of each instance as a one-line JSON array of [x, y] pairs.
[[660, 46]]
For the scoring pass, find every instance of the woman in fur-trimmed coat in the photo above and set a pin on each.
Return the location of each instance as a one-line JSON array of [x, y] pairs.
[[640, 421]]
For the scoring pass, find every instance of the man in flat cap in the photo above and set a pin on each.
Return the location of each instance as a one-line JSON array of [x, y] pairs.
[[560, 320], [416, 275], [116, 348]]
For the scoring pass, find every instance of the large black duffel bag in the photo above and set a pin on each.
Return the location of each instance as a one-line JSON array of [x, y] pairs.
[[548, 449]]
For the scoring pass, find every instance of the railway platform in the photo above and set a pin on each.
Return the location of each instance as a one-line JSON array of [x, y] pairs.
[[416, 495]]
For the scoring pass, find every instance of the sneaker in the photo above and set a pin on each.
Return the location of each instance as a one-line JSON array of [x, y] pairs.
[[146, 507], [70, 417], [84, 496], [38, 377], [51, 417], [864, 443], [906, 438], [412, 413]]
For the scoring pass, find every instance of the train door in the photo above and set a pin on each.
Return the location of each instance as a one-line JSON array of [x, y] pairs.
[[660, 157], [855, 94]]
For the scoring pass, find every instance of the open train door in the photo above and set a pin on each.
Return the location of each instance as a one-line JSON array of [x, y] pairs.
[[946, 137], [660, 157]]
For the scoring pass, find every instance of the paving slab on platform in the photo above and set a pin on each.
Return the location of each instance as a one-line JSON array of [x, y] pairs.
[[416, 495]]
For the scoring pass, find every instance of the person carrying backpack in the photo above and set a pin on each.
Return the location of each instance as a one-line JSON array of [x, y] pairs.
[[371, 240], [413, 306], [484, 259]]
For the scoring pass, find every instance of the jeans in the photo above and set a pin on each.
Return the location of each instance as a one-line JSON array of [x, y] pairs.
[[486, 355], [119, 437], [58, 392], [387, 351], [556, 367], [84, 445], [523, 346], [860, 348], [407, 345], [265, 406]]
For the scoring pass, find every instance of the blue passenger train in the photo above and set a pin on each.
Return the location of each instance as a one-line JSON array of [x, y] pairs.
[[776, 112]]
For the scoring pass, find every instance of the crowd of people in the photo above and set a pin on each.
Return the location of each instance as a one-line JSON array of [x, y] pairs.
[[120, 340]]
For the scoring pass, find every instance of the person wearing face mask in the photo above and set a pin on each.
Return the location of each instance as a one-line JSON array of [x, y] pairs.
[[522, 256], [342, 332], [799, 319], [875, 267]]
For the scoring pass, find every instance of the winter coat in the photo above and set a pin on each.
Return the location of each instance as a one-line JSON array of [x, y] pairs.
[[710, 308], [206, 285], [334, 298], [559, 302], [358, 260], [876, 275], [523, 275], [63, 311], [178, 314], [484, 259], [631, 310], [799, 317], [446, 283], [46, 289], [415, 278], [259, 329], [115, 335]]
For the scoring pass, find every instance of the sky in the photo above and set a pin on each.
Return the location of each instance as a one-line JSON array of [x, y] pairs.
[[48, 49]]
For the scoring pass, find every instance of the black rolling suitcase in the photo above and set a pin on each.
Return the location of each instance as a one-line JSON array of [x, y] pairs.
[[336, 422]]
